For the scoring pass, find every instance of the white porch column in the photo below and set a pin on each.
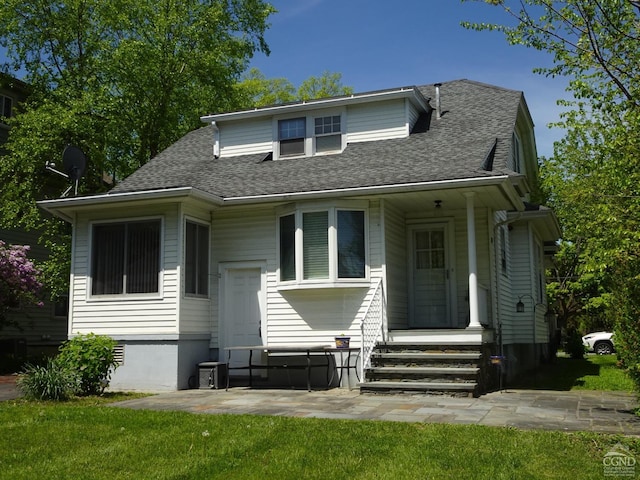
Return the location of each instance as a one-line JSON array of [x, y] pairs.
[[474, 316]]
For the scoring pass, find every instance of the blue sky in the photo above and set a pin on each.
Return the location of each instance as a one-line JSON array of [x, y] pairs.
[[378, 44], [385, 44]]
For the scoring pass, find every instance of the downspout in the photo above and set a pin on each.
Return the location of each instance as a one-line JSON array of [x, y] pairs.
[[498, 316]]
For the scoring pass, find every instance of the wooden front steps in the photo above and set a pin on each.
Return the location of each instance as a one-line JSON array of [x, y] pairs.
[[430, 368]]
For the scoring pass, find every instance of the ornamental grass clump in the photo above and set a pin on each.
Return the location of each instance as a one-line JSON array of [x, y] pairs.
[[92, 359], [47, 382]]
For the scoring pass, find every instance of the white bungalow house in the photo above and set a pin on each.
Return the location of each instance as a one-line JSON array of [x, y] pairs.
[[400, 217]]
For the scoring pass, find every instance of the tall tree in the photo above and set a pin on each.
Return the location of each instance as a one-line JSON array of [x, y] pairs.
[[256, 90], [121, 79], [593, 179]]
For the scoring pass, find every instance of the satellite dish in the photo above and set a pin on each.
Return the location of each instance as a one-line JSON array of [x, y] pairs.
[[74, 162]]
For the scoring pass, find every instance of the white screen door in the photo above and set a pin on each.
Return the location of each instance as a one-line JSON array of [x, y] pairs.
[[242, 311], [430, 282]]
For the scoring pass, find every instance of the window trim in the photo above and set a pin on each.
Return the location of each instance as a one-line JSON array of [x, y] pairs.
[[199, 223], [159, 295], [310, 149], [333, 281], [3, 100]]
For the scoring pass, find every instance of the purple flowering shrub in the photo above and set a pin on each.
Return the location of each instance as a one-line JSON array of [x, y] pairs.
[[19, 284]]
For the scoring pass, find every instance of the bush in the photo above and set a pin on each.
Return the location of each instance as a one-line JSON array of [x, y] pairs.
[[573, 345], [626, 308], [91, 357], [47, 382]]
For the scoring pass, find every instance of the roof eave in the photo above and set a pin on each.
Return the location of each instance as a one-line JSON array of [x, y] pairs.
[[412, 93], [502, 180], [64, 207]]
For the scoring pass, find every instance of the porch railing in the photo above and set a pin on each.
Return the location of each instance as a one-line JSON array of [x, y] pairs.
[[372, 328]]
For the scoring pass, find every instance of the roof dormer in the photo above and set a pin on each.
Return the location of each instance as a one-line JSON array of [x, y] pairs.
[[317, 127]]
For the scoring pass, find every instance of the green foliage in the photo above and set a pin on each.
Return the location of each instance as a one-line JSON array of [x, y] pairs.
[[51, 381], [121, 80], [627, 331], [573, 345], [593, 179], [327, 85], [91, 357], [577, 296], [255, 90]]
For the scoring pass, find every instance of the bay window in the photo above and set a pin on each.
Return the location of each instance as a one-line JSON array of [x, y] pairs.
[[322, 246], [125, 258]]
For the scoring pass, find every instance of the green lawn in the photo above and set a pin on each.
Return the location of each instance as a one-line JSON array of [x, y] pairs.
[[88, 439], [594, 372], [84, 440]]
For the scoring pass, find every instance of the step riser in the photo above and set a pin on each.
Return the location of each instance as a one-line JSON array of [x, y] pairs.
[[425, 368]]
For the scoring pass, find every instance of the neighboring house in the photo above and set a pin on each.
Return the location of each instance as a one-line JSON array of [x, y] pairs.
[[41, 329], [404, 211]]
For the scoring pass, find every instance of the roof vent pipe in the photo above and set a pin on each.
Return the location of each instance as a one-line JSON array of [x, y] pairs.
[[216, 140], [438, 111]]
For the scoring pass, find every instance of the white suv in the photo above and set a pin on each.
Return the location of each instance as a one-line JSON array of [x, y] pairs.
[[599, 342]]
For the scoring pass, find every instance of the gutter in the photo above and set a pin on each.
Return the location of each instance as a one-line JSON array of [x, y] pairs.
[[405, 92], [502, 180], [56, 206]]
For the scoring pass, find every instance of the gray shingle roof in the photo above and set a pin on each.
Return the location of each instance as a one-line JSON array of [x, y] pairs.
[[454, 147]]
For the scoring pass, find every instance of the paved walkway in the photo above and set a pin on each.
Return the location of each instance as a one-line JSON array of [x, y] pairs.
[[605, 412]]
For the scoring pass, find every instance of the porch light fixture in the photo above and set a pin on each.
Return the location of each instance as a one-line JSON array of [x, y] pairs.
[[520, 304]]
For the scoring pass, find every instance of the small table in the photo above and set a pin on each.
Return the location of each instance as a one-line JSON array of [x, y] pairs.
[[307, 350], [349, 351]]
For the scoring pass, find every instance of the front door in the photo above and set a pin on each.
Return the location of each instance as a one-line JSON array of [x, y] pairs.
[[242, 313], [430, 293]]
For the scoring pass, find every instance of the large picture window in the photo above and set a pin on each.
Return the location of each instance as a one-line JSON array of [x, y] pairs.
[[196, 259], [331, 246], [125, 258]]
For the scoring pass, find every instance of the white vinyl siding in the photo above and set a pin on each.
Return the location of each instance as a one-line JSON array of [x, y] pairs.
[[308, 315], [521, 328], [412, 114], [380, 121], [123, 316], [246, 138], [195, 312], [396, 267]]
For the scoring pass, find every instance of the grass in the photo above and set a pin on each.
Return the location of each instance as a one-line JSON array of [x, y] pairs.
[[594, 372], [88, 439]]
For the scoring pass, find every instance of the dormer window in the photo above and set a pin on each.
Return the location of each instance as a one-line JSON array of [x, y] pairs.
[[291, 136], [309, 135], [328, 134]]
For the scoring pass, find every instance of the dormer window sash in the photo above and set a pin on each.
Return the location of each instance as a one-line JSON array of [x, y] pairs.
[[313, 134], [291, 136]]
